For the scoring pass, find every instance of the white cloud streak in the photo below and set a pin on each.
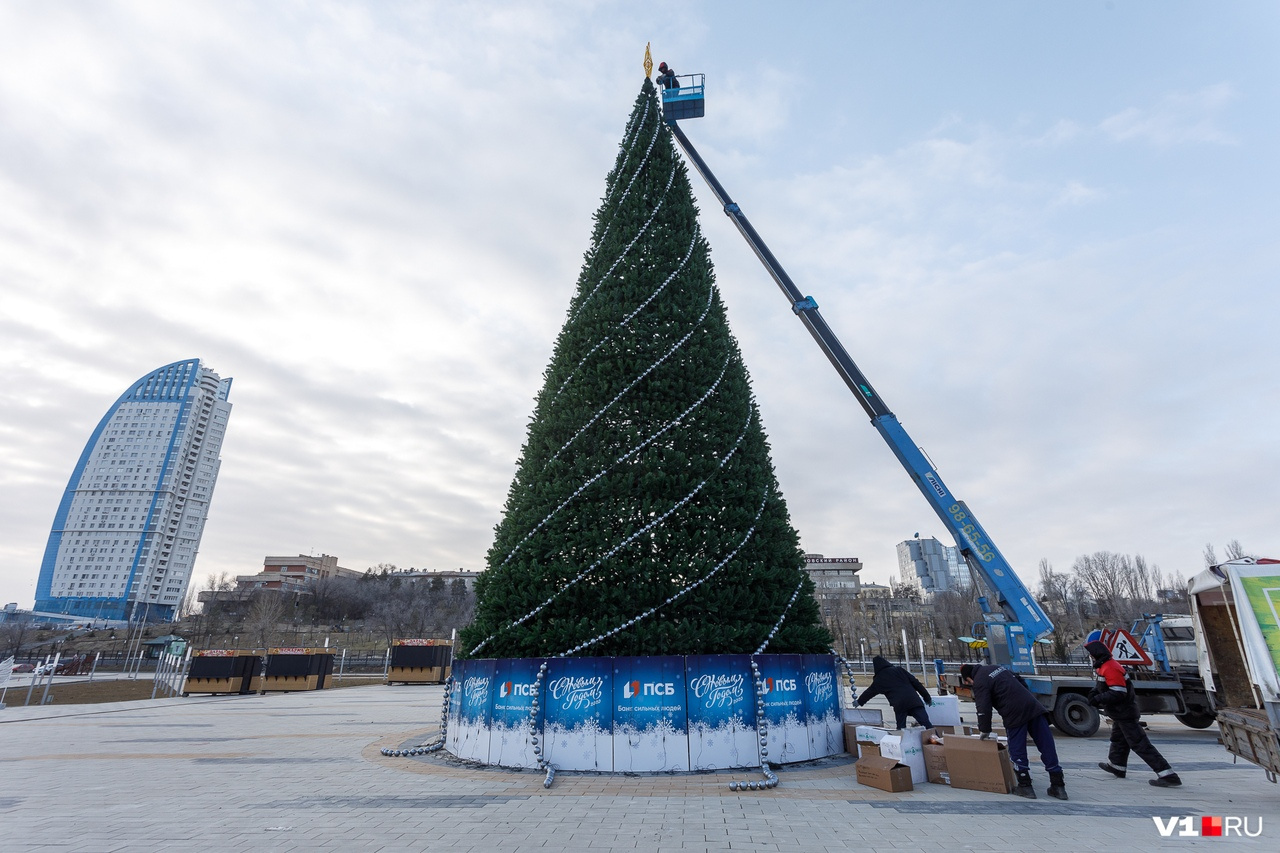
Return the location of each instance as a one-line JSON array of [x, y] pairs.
[[372, 216]]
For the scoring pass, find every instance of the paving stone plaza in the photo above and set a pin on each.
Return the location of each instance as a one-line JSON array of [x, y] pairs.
[[303, 772]]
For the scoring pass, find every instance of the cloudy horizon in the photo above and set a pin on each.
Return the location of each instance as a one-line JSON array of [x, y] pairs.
[[1046, 234]]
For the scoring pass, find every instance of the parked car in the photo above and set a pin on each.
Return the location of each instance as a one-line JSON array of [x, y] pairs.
[[24, 667]]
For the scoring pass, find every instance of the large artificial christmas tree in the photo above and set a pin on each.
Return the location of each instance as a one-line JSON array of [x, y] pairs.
[[645, 517]]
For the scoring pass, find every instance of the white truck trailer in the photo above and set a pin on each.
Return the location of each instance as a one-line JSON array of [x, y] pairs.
[[1236, 608]]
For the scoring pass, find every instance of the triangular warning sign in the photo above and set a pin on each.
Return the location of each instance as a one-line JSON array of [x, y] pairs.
[[1128, 651]]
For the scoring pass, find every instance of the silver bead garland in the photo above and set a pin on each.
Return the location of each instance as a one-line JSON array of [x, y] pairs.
[[625, 542], [438, 744], [770, 780]]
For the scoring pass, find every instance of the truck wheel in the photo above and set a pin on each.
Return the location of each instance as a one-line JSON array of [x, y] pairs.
[[1074, 716], [1201, 720]]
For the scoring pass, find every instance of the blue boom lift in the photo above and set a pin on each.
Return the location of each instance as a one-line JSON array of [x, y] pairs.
[[1015, 621]]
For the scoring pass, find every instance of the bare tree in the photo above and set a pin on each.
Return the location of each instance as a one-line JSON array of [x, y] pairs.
[[1234, 551], [264, 616], [13, 634]]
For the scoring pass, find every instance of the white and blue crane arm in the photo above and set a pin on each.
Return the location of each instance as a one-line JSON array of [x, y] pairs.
[[1014, 600]]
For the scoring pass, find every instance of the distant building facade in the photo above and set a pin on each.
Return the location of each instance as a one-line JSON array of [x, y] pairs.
[[835, 579], [295, 574], [126, 533], [467, 576], [932, 567]]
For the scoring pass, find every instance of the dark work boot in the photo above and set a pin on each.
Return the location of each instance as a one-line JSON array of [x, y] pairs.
[[1117, 772], [1168, 779], [1025, 789], [1058, 786]]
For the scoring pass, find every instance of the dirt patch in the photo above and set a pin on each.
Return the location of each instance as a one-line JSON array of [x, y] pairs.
[[82, 692], [115, 690]]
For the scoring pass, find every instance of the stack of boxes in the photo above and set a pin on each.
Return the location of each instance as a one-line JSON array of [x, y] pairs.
[[950, 753]]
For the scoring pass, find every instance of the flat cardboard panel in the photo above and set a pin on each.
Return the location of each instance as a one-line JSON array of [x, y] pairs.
[[935, 764], [884, 773], [978, 765]]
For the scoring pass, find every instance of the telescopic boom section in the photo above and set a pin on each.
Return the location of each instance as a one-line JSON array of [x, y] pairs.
[[1012, 632]]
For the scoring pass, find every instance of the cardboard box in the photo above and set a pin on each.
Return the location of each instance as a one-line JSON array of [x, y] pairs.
[[851, 739], [945, 711], [876, 771], [907, 745], [871, 734], [866, 747], [945, 730], [935, 763], [978, 765]]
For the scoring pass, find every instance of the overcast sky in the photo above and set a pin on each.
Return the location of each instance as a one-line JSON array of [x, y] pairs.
[[1046, 232]]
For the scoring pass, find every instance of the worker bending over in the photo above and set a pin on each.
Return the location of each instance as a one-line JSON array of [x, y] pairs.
[[1000, 687]]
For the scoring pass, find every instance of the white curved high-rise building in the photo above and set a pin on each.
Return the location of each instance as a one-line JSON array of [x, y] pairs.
[[126, 533]]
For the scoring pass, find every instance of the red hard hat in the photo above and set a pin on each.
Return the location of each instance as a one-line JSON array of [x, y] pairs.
[[662, 66]]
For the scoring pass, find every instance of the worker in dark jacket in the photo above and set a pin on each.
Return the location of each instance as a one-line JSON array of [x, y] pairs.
[[1114, 697], [903, 690], [667, 77], [1000, 687]]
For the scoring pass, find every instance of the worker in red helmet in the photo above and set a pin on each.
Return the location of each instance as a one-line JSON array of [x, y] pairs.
[[667, 77], [1114, 696]]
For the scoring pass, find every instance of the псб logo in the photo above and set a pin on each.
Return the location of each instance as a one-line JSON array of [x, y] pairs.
[[632, 689], [772, 684], [512, 688]]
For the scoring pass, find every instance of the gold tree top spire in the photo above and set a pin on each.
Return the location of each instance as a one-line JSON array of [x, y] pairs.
[[648, 61]]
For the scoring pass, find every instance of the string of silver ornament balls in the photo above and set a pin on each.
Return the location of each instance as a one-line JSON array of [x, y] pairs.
[[640, 233], [423, 749], [627, 541], [537, 735], [678, 419], [693, 241], [762, 723], [630, 136], [666, 355]]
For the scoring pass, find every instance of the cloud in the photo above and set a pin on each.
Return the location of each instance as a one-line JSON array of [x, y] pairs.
[[1179, 118], [373, 216]]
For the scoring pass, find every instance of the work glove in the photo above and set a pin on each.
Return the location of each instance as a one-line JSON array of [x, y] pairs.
[[984, 736], [929, 701]]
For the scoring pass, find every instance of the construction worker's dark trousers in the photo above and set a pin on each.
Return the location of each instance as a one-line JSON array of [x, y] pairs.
[[1127, 736], [921, 715], [1038, 728]]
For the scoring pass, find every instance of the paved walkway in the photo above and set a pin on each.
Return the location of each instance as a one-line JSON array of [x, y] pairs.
[[303, 772]]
